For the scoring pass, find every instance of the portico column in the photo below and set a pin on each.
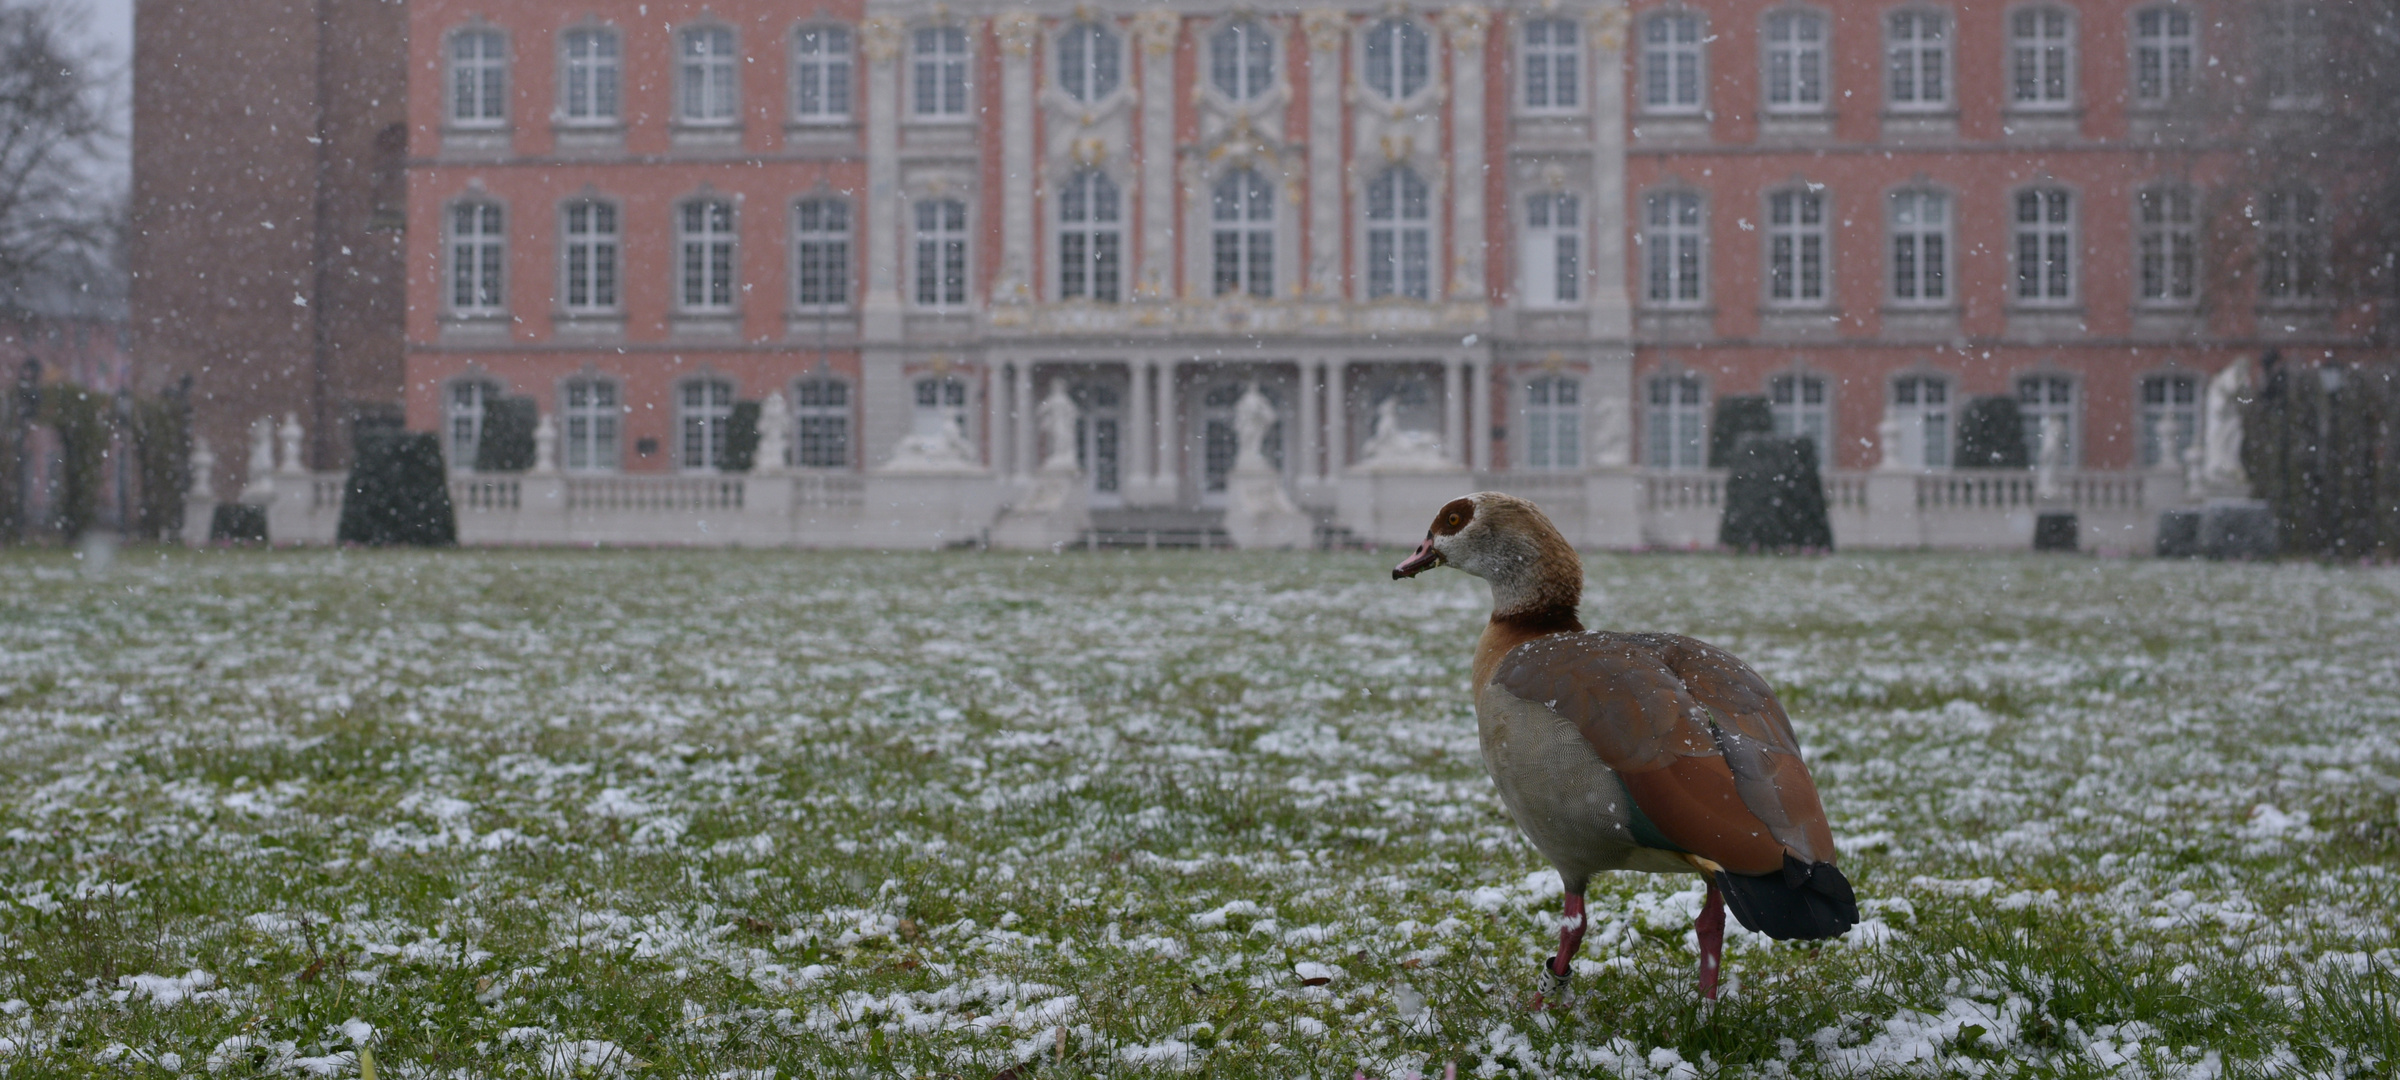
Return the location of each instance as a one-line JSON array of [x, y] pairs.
[[879, 39], [1023, 419], [1157, 30], [1326, 30], [1017, 31], [1466, 24], [1170, 418], [1453, 389], [1306, 422], [1136, 439], [1337, 456], [1612, 314], [1480, 439]]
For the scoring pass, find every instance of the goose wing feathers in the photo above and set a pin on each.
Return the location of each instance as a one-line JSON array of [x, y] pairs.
[[1698, 738]]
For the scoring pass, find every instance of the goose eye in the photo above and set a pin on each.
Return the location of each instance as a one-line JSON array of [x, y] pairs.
[[1454, 521]]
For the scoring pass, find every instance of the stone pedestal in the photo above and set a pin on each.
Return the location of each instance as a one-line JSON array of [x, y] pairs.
[[1260, 516], [1054, 513], [926, 510], [1396, 507], [1613, 498], [1892, 520]]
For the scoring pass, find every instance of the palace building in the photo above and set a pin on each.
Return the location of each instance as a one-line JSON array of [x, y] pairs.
[[1518, 246]]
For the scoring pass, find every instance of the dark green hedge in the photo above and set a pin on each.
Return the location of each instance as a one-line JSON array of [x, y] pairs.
[[1991, 435], [1774, 497], [741, 438], [399, 493], [2322, 447], [506, 442], [1737, 417]]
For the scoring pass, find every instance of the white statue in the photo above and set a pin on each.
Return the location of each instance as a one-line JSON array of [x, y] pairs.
[[1889, 437], [545, 445], [1253, 417], [204, 471], [2052, 459], [1058, 416], [2221, 466], [291, 434], [262, 448], [2160, 429], [1612, 437], [1391, 447], [939, 444], [774, 437]]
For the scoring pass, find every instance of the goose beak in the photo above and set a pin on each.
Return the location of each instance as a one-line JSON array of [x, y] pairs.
[[1425, 559]]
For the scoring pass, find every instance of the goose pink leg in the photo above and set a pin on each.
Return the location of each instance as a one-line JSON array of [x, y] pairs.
[[1570, 938], [1711, 928]]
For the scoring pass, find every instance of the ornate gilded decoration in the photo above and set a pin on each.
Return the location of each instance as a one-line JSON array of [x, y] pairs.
[[879, 38], [1467, 25], [1018, 30], [1157, 29], [1324, 27]]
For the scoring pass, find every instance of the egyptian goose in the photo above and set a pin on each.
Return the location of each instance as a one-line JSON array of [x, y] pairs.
[[1650, 752]]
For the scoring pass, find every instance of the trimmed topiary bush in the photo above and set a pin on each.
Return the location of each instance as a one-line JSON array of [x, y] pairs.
[[1991, 435], [741, 438], [398, 493], [1737, 417], [238, 523], [506, 442], [1774, 498]]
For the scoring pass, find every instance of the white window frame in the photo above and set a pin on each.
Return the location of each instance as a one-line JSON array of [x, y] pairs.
[[1675, 422], [824, 78], [478, 263], [2041, 63], [1674, 239], [1552, 267], [1552, 59], [1400, 272], [1917, 52], [1919, 222], [1674, 61], [1242, 235], [821, 422], [2045, 398], [941, 77], [1799, 241], [478, 85], [2292, 244], [1091, 62], [2166, 54], [1921, 402], [1386, 52], [2172, 396], [464, 402], [591, 76], [1243, 52], [591, 424], [708, 82], [2043, 249], [591, 248], [2166, 249], [939, 266], [703, 415], [1788, 400], [941, 403], [1552, 421], [1090, 237], [2291, 51], [708, 258], [821, 246], [1795, 69]]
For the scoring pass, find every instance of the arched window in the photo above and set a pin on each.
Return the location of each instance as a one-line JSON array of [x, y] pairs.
[[1800, 407], [478, 78], [1241, 59], [478, 253], [2041, 58], [941, 253], [938, 73], [1916, 54], [2165, 43], [1795, 56], [1671, 63], [1676, 423], [703, 412], [590, 416], [1797, 238], [1090, 238], [1921, 404], [2044, 231], [707, 85], [1919, 227], [1399, 236], [590, 75], [820, 253], [821, 415], [704, 238], [821, 73], [1553, 60], [1243, 234], [464, 410], [2291, 247], [1673, 249], [1089, 67], [588, 241], [2167, 245], [1398, 58], [1553, 250], [1553, 423]]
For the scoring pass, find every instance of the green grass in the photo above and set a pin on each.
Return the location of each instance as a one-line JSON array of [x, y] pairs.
[[807, 814]]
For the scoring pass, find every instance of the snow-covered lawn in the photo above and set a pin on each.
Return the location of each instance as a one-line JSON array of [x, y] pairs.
[[800, 814]]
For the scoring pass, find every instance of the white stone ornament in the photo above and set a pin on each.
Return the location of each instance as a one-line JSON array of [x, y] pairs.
[[1888, 438], [774, 437], [1392, 448], [1059, 417], [2221, 470], [545, 445], [1612, 436], [291, 435]]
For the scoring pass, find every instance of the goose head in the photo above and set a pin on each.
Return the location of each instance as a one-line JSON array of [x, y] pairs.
[[1508, 542]]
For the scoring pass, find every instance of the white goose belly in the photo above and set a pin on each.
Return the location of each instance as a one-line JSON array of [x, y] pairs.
[[1562, 796]]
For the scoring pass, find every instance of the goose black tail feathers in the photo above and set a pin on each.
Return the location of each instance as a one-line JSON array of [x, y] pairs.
[[1806, 901]]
